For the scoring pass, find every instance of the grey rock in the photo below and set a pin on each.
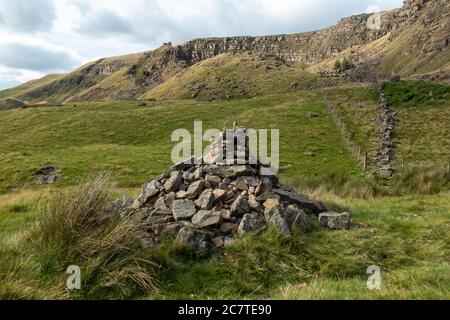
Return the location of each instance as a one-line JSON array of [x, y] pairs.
[[275, 216], [227, 227], [188, 176], [301, 200], [154, 184], [186, 164], [181, 194], [232, 171], [46, 179], [198, 173], [198, 240], [246, 182], [170, 229], [137, 204], [127, 200], [149, 191], [195, 189], [223, 186], [251, 223], [297, 218], [206, 218], [218, 241], [253, 203], [213, 180], [173, 182], [266, 196], [206, 200], [163, 176], [333, 220], [219, 195], [240, 206], [284, 187], [47, 170], [161, 207], [227, 241], [281, 225], [170, 198], [264, 186], [183, 209], [182, 187]]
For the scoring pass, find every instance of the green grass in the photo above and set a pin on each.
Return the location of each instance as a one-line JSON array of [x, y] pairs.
[[406, 237], [132, 141], [414, 93], [357, 109], [423, 113]]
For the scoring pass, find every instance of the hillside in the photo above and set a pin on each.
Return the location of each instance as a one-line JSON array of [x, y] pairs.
[[238, 75], [412, 42]]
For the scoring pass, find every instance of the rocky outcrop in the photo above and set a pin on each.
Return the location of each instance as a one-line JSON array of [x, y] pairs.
[[8, 104], [309, 47]]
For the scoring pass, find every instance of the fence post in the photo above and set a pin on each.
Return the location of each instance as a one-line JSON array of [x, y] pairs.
[[365, 161]]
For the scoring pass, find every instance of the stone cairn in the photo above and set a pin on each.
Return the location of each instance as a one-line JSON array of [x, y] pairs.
[[205, 205]]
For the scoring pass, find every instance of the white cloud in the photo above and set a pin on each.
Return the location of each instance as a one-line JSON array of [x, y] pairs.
[[81, 30]]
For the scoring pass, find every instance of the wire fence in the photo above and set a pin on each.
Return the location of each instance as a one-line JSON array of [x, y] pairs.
[[355, 149]]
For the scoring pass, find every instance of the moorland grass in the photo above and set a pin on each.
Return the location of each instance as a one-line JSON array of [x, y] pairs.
[[407, 237], [132, 140]]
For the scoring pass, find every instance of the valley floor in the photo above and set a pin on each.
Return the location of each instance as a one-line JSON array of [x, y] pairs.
[[406, 231]]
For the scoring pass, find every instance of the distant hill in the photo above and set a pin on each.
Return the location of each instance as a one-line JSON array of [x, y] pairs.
[[412, 41]]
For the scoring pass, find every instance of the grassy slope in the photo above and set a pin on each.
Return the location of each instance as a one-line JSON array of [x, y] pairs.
[[400, 57], [407, 238], [357, 109], [133, 141], [237, 75], [64, 86], [423, 134], [423, 112], [16, 91]]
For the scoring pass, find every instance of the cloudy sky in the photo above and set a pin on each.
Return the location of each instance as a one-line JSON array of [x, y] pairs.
[[38, 37]]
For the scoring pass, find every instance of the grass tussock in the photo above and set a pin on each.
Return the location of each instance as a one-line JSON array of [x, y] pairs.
[[414, 180], [422, 180], [111, 252], [415, 93]]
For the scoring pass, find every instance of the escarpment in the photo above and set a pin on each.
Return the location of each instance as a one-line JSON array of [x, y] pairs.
[[409, 41]]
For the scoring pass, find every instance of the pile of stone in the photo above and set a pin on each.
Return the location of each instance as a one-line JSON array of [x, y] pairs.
[[385, 154], [206, 205]]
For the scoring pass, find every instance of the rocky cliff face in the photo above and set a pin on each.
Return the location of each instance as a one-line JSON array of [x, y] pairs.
[[309, 47]]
